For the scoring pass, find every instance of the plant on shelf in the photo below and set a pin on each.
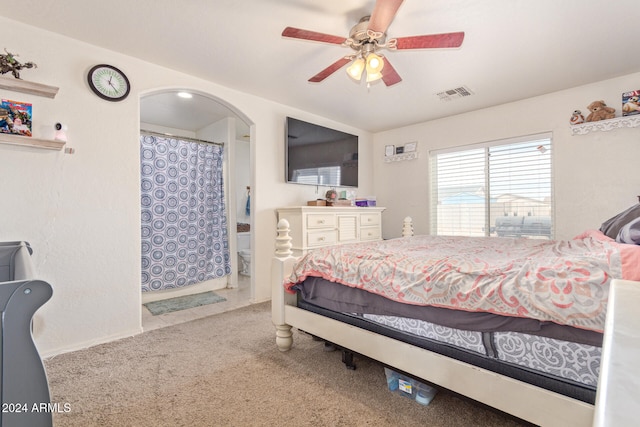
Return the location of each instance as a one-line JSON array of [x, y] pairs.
[[9, 64]]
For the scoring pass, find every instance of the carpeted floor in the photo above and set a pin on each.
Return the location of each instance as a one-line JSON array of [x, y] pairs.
[[225, 370]]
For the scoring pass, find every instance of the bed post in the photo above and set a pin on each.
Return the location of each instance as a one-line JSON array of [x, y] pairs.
[[407, 227], [280, 268]]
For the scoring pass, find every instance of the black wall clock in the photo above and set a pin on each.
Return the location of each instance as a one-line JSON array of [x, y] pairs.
[[108, 82]]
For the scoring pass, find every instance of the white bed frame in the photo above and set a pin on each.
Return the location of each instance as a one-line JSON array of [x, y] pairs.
[[525, 401]]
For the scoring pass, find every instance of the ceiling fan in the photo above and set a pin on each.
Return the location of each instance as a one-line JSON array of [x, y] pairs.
[[367, 38]]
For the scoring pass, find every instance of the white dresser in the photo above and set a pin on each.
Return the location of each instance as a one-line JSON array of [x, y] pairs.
[[316, 226]]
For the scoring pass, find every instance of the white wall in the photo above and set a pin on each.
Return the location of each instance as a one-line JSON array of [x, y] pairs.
[[596, 175], [81, 212]]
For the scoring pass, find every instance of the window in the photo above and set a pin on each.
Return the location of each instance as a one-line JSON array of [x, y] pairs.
[[503, 188]]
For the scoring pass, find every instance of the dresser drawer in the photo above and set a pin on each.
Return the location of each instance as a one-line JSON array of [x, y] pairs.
[[312, 227], [321, 220], [370, 233], [321, 238], [367, 219]]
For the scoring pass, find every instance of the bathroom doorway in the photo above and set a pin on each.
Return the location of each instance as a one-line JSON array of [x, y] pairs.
[[190, 115]]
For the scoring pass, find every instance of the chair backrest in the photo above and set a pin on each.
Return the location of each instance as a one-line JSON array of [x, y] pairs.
[[15, 261]]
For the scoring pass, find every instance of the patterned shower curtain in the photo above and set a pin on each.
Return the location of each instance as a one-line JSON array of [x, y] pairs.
[[184, 223]]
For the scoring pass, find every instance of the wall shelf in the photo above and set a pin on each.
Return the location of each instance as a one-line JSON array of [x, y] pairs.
[[400, 157], [606, 125], [30, 141], [18, 85]]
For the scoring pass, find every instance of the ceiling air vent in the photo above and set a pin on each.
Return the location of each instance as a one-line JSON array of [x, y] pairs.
[[451, 94]]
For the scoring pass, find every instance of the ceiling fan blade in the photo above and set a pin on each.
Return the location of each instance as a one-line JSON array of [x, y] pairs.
[[389, 74], [383, 13], [297, 33], [432, 41], [330, 70]]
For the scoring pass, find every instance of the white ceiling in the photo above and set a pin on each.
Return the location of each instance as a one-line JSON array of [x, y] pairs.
[[167, 109], [513, 49]]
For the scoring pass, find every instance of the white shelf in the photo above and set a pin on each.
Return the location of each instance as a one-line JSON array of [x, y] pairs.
[[401, 157], [30, 141], [606, 125], [23, 86], [18, 85]]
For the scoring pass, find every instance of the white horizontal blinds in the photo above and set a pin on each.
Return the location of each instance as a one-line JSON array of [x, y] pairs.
[[317, 176], [520, 188], [503, 189], [459, 193]]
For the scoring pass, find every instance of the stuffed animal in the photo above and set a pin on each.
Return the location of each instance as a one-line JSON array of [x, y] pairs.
[[577, 117], [600, 111]]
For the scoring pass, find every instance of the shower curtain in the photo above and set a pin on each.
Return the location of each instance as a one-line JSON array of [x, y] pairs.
[[184, 224]]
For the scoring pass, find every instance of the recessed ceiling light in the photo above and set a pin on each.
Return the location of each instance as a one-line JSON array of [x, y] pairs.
[[185, 95]]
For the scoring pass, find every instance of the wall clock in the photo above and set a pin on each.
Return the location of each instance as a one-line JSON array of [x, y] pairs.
[[108, 82]]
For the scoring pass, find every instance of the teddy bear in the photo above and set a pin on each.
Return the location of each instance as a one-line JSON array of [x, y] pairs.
[[600, 111]]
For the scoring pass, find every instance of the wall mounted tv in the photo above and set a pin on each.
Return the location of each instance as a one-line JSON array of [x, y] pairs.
[[316, 155]]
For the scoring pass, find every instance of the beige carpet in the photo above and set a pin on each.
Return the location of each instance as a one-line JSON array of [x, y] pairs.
[[225, 370]]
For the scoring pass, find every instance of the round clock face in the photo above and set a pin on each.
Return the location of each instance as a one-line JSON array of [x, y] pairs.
[[108, 82]]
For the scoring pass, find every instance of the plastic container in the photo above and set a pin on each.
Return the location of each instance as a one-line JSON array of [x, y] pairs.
[[409, 387], [366, 201]]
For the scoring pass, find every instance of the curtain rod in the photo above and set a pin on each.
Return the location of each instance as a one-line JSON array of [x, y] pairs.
[[185, 138]]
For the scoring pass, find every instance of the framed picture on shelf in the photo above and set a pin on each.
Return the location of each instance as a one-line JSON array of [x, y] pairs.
[[389, 150], [15, 117], [410, 147], [631, 103]]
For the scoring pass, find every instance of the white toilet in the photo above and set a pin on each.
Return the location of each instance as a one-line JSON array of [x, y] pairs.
[[244, 252]]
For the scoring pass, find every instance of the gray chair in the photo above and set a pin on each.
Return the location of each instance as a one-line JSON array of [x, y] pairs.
[[24, 388]]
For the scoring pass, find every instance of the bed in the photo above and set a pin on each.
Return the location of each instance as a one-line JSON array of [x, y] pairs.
[[526, 339]]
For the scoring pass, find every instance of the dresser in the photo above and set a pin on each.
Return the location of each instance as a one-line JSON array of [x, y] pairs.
[[317, 226]]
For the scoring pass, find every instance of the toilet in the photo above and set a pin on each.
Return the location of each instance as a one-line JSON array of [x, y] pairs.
[[244, 252]]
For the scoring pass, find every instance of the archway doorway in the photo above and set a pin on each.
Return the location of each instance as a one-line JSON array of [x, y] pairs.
[[194, 116]]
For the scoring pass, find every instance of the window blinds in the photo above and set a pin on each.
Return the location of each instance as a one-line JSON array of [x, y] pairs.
[[496, 189]]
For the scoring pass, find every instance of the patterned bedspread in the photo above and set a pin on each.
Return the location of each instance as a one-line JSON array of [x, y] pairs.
[[565, 282]]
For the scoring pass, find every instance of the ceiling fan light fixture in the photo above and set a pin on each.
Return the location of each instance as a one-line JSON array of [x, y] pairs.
[[369, 36], [372, 77], [374, 64], [356, 68]]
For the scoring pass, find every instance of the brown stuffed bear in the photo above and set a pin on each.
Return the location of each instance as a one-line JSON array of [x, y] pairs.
[[600, 111]]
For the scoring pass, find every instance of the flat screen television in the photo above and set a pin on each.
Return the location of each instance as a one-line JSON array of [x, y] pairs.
[[317, 155]]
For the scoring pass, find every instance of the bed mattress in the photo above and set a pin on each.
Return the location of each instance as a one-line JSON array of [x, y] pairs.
[[555, 357], [561, 359]]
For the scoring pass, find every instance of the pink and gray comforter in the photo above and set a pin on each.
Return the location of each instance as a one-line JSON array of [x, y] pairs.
[[565, 282]]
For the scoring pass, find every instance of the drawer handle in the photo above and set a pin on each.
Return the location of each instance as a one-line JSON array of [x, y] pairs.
[[321, 239], [321, 221]]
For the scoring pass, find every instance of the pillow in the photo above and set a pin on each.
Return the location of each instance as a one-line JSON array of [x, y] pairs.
[[630, 233], [612, 226]]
